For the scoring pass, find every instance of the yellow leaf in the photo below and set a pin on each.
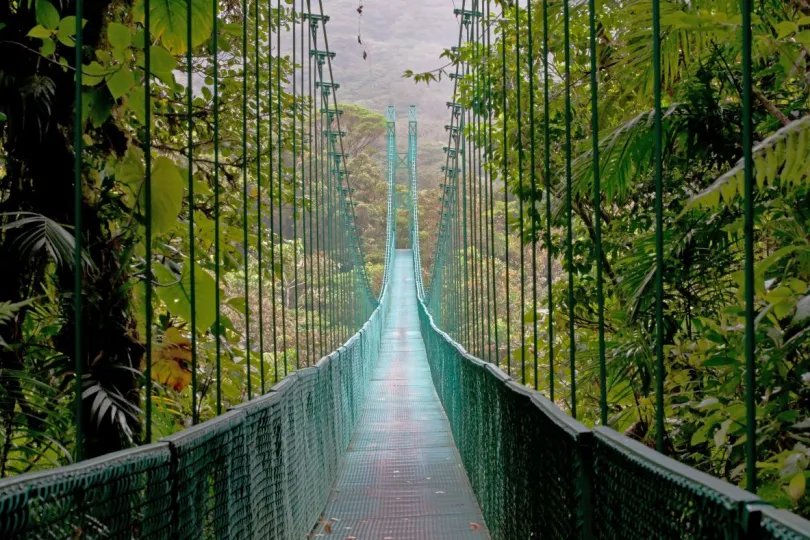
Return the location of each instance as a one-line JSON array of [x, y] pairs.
[[797, 486], [171, 360]]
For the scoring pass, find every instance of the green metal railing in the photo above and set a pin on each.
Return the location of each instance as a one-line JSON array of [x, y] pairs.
[[264, 464], [538, 472], [261, 470], [307, 131], [535, 470], [259, 462]]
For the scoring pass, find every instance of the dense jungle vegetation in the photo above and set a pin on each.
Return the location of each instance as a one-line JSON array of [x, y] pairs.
[[703, 220], [37, 68]]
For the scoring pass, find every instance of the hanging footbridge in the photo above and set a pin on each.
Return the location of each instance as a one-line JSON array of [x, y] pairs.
[[219, 393]]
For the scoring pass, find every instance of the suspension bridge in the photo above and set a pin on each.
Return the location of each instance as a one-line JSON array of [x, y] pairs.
[[325, 401]]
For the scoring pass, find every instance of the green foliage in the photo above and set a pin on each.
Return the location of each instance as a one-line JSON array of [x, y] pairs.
[[175, 292], [168, 23], [37, 248], [781, 157], [702, 214]]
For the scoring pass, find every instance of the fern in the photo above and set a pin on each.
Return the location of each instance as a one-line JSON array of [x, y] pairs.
[[689, 28], [783, 156], [624, 155], [38, 233]]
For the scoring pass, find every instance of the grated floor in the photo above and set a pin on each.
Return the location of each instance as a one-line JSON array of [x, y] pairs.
[[402, 478]]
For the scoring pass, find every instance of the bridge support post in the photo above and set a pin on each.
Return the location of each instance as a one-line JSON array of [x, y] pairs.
[[412, 179], [393, 159]]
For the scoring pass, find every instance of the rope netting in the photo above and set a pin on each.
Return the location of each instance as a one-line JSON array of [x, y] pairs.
[[280, 407], [538, 472], [261, 470]]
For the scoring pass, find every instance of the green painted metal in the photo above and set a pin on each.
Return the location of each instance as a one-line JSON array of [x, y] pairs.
[[659, 232], [402, 476], [748, 233], [191, 229], [147, 198], [614, 487], [413, 182], [538, 473], [217, 235], [264, 469], [597, 216], [505, 180], [78, 331], [259, 227], [569, 246], [547, 176], [295, 181], [245, 219]]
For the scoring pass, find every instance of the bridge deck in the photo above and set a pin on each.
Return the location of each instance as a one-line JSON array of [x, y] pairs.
[[402, 478]]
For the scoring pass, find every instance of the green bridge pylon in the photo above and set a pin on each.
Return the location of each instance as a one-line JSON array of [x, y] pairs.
[[407, 161]]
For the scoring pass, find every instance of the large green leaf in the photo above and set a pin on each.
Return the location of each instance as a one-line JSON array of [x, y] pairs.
[[92, 74], [162, 63], [167, 194], [96, 106], [131, 169], [168, 23], [167, 187], [176, 294], [119, 35], [47, 15], [39, 32], [120, 82], [782, 156]]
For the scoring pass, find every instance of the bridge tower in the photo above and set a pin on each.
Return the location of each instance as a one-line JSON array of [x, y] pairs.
[[412, 178], [393, 157], [403, 198]]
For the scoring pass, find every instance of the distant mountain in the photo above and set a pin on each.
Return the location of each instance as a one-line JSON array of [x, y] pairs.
[[397, 35]]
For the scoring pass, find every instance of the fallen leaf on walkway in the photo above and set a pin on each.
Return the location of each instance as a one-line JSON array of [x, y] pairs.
[[474, 526]]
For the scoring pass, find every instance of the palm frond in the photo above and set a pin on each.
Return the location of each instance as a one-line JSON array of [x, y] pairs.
[[625, 154], [8, 310], [783, 156], [38, 233]]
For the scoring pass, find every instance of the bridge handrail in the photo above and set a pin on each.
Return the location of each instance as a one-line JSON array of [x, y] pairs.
[[275, 455], [618, 487], [261, 470], [537, 472]]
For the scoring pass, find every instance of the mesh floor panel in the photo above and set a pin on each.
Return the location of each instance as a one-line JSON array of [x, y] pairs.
[[402, 477]]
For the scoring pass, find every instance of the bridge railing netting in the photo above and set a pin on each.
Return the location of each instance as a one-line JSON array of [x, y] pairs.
[[262, 470], [538, 473]]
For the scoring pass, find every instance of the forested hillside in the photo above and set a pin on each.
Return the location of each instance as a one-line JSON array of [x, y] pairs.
[[396, 35]]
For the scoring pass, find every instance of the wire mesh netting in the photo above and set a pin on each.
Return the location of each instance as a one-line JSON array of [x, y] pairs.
[[523, 481], [211, 481], [262, 470], [538, 473], [117, 496], [630, 478], [780, 525]]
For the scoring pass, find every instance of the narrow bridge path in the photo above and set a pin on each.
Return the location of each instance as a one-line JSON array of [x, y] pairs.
[[402, 478]]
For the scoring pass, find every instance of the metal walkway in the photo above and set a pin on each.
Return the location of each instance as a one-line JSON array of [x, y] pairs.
[[402, 478]]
